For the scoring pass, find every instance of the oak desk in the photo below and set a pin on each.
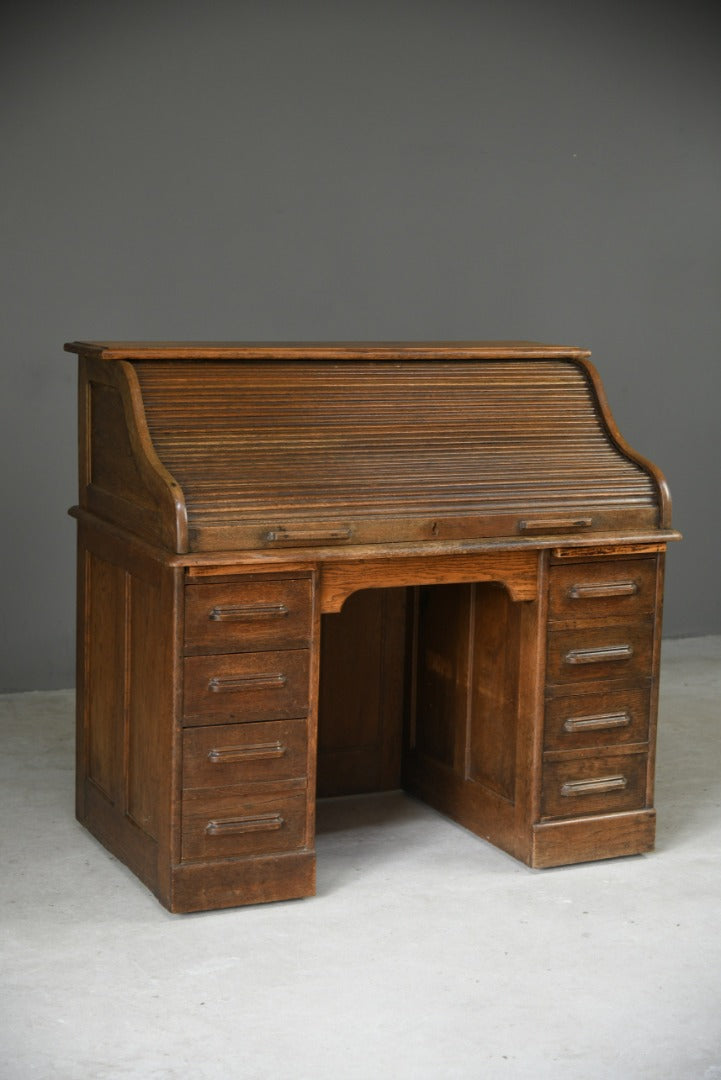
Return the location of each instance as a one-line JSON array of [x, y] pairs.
[[337, 568]]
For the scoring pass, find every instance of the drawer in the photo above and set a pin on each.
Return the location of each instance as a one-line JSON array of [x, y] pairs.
[[245, 687], [242, 753], [595, 589], [596, 653], [594, 785], [601, 718], [248, 616], [223, 824]]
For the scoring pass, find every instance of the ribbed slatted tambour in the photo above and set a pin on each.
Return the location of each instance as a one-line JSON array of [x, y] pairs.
[[275, 442]]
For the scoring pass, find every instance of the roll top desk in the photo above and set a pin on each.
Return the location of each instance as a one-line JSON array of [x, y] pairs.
[[323, 569]]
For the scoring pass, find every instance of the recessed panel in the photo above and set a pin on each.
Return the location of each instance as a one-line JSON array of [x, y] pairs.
[[494, 693]]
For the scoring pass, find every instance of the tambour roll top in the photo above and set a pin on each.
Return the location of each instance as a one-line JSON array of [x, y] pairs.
[[234, 447]]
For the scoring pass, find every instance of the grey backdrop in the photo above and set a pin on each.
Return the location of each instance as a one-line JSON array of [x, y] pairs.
[[439, 169]]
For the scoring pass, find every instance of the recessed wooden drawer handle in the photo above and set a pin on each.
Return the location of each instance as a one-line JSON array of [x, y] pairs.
[[247, 612], [601, 722], [233, 826], [307, 536], [228, 755], [230, 684], [554, 525], [594, 787], [610, 588], [598, 656]]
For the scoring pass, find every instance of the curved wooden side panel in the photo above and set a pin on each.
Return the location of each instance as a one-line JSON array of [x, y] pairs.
[[618, 440], [122, 480], [154, 471]]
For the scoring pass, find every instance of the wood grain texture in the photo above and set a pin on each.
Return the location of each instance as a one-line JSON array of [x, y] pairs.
[[445, 629], [224, 883], [234, 755], [106, 677], [128, 777], [619, 587], [121, 478], [655, 677], [474, 741], [663, 493], [333, 351], [220, 565], [600, 654], [223, 822], [360, 716], [493, 706], [442, 555], [248, 616], [605, 836], [341, 577], [246, 687], [600, 784], [603, 716], [365, 451]]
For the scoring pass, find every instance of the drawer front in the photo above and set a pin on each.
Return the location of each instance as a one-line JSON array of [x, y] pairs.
[[601, 718], [247, 616], [596, 653], [225, 824], [246, 687], [594, 589], [229, 754], [594, 785]]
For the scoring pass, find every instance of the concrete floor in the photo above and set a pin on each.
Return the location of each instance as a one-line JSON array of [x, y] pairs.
[[426, 954]]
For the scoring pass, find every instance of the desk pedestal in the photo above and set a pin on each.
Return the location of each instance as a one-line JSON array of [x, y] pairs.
[[513, 690]]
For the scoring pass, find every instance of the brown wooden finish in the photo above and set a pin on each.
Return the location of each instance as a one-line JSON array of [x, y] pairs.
[[655, 679], [333, 351], [594, 785], [248, 616], [226, 565], [622, 587], [599, 717], [457, 759], [601, 836], [224, 883], [480, 442], [307, 449], [246, 687], [127, 778], [598, 654], [239, 754], [345, 567], [218, 824], [492, 745], [121, 477], [360, 713], [341, 577], [664, 496], [444, 667], [607, 548]]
